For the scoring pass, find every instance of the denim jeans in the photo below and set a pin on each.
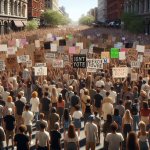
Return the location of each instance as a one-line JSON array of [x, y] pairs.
[[1, 145], [36, 116], [135, 122]]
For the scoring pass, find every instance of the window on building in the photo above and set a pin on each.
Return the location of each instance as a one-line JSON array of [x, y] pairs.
[[5, 7], [11, 7], [23, 10], [16, 7]]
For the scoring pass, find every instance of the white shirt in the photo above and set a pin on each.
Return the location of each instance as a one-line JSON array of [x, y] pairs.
[[77, 115], [23, 99], [1, 89], [27, 117], [113, 95], [107, 108], [35, 104], [5, 95], [99, 83]]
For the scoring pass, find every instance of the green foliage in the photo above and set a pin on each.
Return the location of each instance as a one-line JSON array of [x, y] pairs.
[[32, 25], [86, 20], [53, 18], [133, 23]]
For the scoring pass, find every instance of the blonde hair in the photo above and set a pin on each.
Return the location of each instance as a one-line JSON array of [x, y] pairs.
[[54, 91], [127, 116], [9, 99], [34, 94], [142, 126]]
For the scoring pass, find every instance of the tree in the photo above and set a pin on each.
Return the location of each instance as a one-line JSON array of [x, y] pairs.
[[53, 18], [32, 25], [133, 23], [86, 20]]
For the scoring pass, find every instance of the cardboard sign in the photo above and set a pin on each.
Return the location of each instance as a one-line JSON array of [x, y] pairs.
[[135, 64], [38, 57], [105, 55], [40, 71], [53, 47], [84, 51], [58, 63], [134, 76], [132, 55], [3, 47], [140, 48], [29, 64], [114, 53], [40, 64], [79, 61], [140, 58], [23, 58], [95, 63], [2, 65], [122, 55], [37, 43], [80, 45], [72, 50], [11, 62], [120, 72]]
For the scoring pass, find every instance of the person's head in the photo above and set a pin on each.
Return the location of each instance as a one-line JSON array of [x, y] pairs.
[[53, 110], [41, 116], [114, 127], [95, 113], [98, 90], [135, 89], [34, 94], [66, 114], [128, 97], [70, 88], [140, 78], [22, 128], [91, 118], [109, 118], [120, 102], [142, 126], [71, 131], [60, 98], [46, 94], [19, 96], [42, 126], [77, 107], [56, 126], [27, 107], [136, 100], [86, 92], [9, 99], [102, 87], [129, 89], [145, 105], [116, 112], [107, 94], [127, 115], [75, 93], [132, 141]]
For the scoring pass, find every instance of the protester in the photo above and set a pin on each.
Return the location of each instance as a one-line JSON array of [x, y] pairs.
[[2, 138]]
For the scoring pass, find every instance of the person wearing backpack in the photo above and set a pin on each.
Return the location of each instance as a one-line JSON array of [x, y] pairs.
[[135, 114]]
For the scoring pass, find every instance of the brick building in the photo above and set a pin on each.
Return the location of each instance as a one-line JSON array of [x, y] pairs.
[[114, 9], [35, 8]]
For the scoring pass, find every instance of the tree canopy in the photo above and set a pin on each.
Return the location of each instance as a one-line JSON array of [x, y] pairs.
[[32, 25], [86, 20]]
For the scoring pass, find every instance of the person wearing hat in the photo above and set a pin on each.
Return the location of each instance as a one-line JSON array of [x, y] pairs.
[[91, 133], [9, 124]]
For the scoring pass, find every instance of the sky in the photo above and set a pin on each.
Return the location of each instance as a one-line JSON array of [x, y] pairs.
[[75, 8]]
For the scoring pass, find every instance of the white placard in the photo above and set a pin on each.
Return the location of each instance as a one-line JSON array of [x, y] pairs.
[[122, 55], [95, 63], [29, 64], [140, 48], [40, 64], [80, 45], [2, 65], [140, 58], [17, 42], [91, 70], [3, 47], [134, 76], [58, 63], [11, 50], [49, 55], [135, 64], [120, 72], [37, 43], [40, 71], [23, 58], [53, 47]]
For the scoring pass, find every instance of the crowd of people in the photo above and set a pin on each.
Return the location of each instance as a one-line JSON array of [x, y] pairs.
[[60, 104]]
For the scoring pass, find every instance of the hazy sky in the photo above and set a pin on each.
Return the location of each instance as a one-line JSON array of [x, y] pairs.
[[76, 8]]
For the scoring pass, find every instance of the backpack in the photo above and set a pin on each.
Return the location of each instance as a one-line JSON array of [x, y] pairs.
[[134, 109]]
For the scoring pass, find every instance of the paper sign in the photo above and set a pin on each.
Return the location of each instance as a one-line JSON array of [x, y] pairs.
[[120, 72], [23, 58], [91, 70], [49, 55], [79, 61], [122, 56], [29, 64], [135, 64], [58, 63], [147, 52], [140, 58], [3, 47], [53, 47], [105, 55], [11, 50], [114, 53], [134, 76], [2, 65], [40, 71], [95, 63], [40, 64], [84, 51], [123, 50], [118, 45], [140, 48], [132, 55], [18, 42], [80, 45], [37, 43], [72, 50]]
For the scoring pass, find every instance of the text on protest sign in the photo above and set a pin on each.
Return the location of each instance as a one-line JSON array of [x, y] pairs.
[[29, 64], [40, 64], [23, 58], [120, 72], [58, 63], [2, 65], [79, 61], [135, 64], [95, 63], [40, 71]]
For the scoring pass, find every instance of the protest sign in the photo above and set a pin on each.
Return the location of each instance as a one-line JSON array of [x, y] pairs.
[[66, 58], [72, 50], [79, 61], [92, 70], [132, 55], [140, 58], [135, 64], [147, 52], [23, 58], [134, 76], [105, 55], [123, 50], [3, 47], [53, 47], [114, 53], [37, 43], [118, 45], [84, 51], [2, 65], [40, 64], [11, 62], [58, 63], [29, 64], [122, 56], [11, 50], [120, 72], [140, 48], [147, 66], [40, 71], [49, 55], [80, 45], [95, 63]]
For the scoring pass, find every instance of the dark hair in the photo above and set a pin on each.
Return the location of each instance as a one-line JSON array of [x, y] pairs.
[[22, 128], [77, 107], [120, 102], [109, 118], [136, 100], [132, 141], [112, 88], [145, 105], [19, 96], [97, 90], [66, 114], [128, 97], [53, 110], [41, 115], [95, 113], [27, 106], [46, 94], [60, 98], [42, 125], [116, 112], [71, 131], [102, 87], [114, 127], [107, 93]]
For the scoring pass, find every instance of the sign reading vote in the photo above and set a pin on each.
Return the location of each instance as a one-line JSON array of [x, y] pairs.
[[79, 61]]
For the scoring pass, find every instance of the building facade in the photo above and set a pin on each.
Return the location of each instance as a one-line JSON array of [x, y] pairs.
[[35, 8], [102, 10], [13, 15], [114, 9], [52, 4], [141, 8], [93, 12]]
